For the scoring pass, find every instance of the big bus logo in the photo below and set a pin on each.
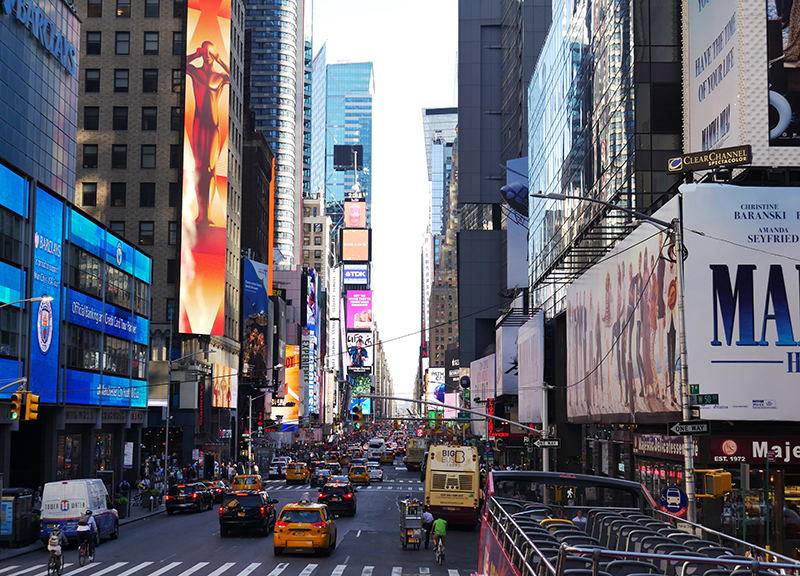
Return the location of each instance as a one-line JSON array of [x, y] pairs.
[[453, 457]]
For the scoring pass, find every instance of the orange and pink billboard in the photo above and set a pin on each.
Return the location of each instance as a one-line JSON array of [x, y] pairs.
[[205, 168]]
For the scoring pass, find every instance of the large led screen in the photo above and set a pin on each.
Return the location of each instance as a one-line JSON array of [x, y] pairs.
[[290, 414], [355, 213], [257, 343], [359, 349], [355, 245], [359, 310], [205, 167], [226, 387]]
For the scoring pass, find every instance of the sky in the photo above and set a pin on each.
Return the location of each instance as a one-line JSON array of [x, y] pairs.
[[413, 46]]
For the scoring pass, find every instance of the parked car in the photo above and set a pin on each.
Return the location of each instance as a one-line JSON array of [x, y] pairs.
[[375, 472], [247, 510], [194, 496], [305, 525], [340, 498], [320, 477]]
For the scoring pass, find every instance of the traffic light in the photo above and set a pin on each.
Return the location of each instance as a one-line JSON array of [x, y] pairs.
[[32, 407], [357, 417], [717, 483], [16, 405]]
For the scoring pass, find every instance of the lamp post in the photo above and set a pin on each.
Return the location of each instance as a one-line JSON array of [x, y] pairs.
[[166, 423], [673, 226], [250, 400], [36, 299]]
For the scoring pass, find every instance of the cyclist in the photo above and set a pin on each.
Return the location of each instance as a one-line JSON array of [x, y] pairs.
[[87, 528], [57, 538], [439, 529]]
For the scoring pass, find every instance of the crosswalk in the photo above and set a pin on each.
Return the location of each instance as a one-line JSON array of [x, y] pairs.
[[228, 569], [277, 487]]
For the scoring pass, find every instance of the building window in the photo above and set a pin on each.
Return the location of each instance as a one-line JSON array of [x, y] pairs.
[[119, 120], [122, 46], [121, 80], [117, 227], [90, 155], [150, 80], [151, 43], [94, 9], [177, 79], [306, 254], [172, 233], [317, 253], [86, 272], [83, 348], [146, 233], [172, 271], [140, 297], [92, 80], [119, 156], [139, 366], [91, 118], [147, 194], [148, 156], [10, 236], [307, 228], [174, 194], [177, 43], [118, 287], [175, 156], [118, 193], [151, 8], [123, 8], [317, 240], [93, 42], [149, 117], [89, 194], [170, 309], [116, 357], [175, 119]]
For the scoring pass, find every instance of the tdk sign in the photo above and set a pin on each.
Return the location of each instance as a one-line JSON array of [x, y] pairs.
[[355, 274]]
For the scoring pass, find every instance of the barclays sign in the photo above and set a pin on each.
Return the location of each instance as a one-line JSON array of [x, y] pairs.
[[41, 27]]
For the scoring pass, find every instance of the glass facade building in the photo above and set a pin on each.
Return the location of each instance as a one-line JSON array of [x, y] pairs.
[[604, 109], [439, 128]]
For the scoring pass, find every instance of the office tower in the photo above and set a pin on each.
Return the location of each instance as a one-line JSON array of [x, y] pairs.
[[276, 68], [341, 149], [143, 172], [439, 130]]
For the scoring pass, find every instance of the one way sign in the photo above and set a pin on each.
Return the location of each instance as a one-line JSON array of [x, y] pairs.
[[548, 443], [689, 428]]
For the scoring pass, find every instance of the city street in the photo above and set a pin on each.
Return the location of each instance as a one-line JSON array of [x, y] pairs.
[[190, 544]]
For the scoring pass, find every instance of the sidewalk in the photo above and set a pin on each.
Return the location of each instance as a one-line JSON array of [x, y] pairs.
[[137, 513]]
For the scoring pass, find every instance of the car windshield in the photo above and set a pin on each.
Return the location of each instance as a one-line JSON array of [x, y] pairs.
[[180, 490], [248, 501], [334, 490], [323, 472], [357, 470], [300, 516]]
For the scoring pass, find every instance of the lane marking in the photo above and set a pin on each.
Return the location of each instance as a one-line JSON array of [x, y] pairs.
[[347, 560], [7, 568], [338, 570], [308, 570], [222, 568], [111, 568], [278, 569], [89, 566], [367, 571], [45, 572], [135, 569], [193, 569], [359, 534], [452, 572], [424, 570], [397, 571], [249, 569], [31, 569], [160, 571]]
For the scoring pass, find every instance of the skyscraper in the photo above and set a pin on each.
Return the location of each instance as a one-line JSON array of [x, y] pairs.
[[439, 127], [275, 49], [341, 149]]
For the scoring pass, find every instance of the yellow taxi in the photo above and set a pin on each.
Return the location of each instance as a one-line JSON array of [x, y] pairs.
[[358, 474], [247, 482], [331, 458], [297, 472], [305, 525], [387, 457]]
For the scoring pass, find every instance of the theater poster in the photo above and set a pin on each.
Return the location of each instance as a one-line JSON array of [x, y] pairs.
[[205, 167]]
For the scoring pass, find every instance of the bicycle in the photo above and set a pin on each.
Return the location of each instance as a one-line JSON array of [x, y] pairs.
[[56, 564], [439, 549], [83, 553]]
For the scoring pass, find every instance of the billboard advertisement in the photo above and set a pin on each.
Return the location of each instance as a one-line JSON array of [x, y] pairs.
[[46, 316], [452, 363], [743, 299], [713, 95], [436, 388], [359, 310], [355, 245], [361, 384], [257, 322], [355, 213], [225, 390], [359, 349], [290, 414], [205, 168], [781, 61], [506, 368], [530, 351], [309, 311], [355, 274], [622, 330]]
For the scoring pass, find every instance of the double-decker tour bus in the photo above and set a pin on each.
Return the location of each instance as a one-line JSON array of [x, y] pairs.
[[415, 450], [452, 483]]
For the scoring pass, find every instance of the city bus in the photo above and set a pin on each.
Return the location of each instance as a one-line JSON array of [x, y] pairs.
[[415, 450], [452, 484], [375, 449]]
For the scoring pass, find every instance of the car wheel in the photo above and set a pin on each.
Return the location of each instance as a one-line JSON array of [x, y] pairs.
[[223, 531], [277, 550], [170, 512], [115, 533]]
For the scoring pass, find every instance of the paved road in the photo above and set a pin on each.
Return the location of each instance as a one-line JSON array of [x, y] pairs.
[[190, 544]]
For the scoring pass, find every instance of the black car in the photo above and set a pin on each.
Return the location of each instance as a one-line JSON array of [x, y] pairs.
[[218, 489], [320, 477], [340, 498], [247, 510], [195, 496]]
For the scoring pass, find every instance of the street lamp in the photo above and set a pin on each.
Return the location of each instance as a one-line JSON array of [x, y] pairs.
[[673, 226], [36, 299], [169, 386], [250, 400]]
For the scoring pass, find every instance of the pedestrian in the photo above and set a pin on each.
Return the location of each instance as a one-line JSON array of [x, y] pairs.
[[427, 523], [580, 520]]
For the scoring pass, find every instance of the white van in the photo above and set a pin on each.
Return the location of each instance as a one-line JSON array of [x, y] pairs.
[[65, 501]]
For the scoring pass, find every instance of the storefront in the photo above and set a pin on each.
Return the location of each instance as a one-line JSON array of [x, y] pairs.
[[658, 462]]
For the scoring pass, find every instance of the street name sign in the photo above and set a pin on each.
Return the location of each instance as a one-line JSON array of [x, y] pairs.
[[548, 443], [689, 428], [694, 388], [705, 399]]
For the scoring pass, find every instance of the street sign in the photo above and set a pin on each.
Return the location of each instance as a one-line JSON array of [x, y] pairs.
[[674, 501], [464, 381], [694, 388], [548, 443], [704, 399], [526, 440], [689, 428]]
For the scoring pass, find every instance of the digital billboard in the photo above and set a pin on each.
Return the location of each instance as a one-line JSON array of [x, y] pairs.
[[355, 245], [310, 295], [436, 388], [355, 274], [290, 414], [257, 324], [530, 352], [355, 213], [359, 349], [359, 310], [205, 168], [46, 316], [226, 387], [361, 384], [345, 156]]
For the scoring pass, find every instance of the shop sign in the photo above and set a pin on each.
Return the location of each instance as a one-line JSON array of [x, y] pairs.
[[115, 416], [754, 450], [80, 416], [658, 446], [137, 417]]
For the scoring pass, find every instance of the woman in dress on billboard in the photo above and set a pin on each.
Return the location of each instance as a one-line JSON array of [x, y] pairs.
[[208, 85]]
